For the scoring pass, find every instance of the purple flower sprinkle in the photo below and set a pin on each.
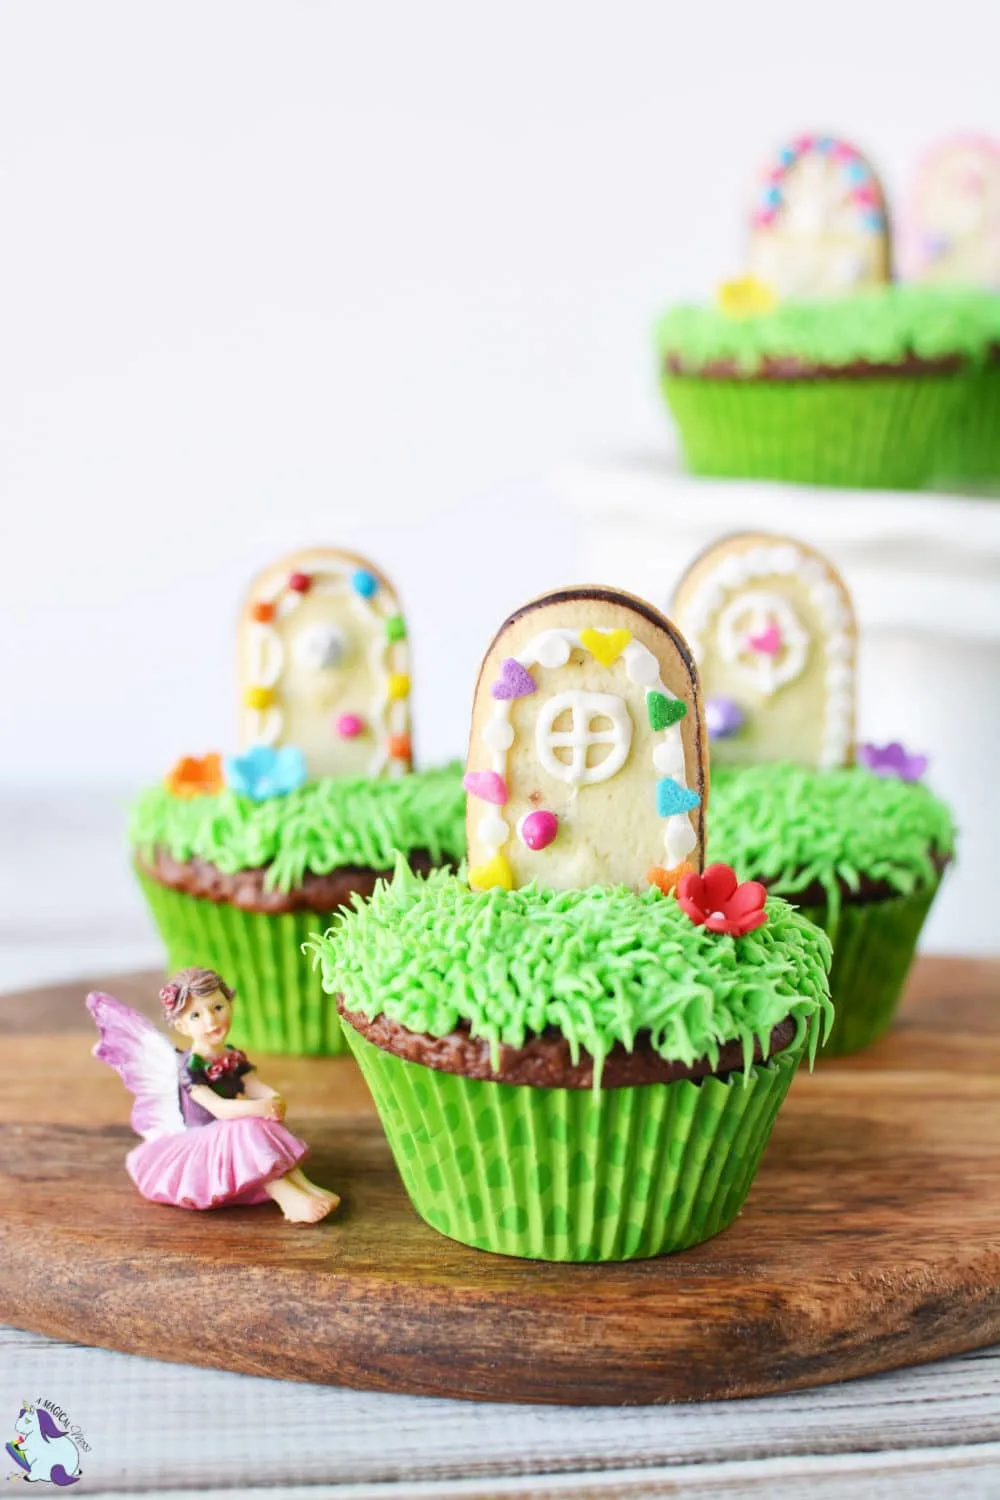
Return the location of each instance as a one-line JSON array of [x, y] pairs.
[[891, 760], [723, 718]]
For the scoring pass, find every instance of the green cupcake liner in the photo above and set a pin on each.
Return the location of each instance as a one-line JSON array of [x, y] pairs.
[[873, 947], [969, 445], [569, 1174], [876, 433], [280, 1004]]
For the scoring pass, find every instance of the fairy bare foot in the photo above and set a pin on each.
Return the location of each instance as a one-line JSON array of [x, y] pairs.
[[301, 1180], [298, 1205]]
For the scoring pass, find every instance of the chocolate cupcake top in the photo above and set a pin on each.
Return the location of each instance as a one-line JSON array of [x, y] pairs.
[[812, 834], [882, 328], [313, 829], [600, 967]]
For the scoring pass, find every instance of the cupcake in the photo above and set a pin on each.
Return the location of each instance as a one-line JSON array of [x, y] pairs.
[[578, 1051], [871, 390], [860, 851], [860, 847], [812, 368], [953, 239], [240, 858], [239, 881]]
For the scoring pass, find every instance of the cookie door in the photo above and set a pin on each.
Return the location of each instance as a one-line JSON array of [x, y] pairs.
[[324, 665], [819, 226], [954, 228], [587, 752], [771, 627]]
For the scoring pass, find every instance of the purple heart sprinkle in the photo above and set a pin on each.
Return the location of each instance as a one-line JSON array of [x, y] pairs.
[[514, 681]]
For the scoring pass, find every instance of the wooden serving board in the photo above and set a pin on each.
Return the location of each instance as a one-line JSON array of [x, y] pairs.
[[871, 1238]]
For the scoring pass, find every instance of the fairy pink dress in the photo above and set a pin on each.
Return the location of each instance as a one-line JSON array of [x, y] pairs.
[[187, 1157]]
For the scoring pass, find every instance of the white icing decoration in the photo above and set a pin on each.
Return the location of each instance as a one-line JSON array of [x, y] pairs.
[[553, 648], [668, 758], [679, 838], [641, 665], [583, 707], [498, 734], [739, 568], [746, 615], [493, 829], [320, 647]]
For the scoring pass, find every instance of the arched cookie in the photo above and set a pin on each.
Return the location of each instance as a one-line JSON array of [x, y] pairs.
[[324, 665], [771, 626], [587, 756], [953, 226], [818, 227]]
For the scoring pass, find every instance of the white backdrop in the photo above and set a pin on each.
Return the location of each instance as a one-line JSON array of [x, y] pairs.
[[283, 273]]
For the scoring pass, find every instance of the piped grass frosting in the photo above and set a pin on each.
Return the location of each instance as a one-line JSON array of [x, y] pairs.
[[602, 966], [884, 326], [319, 827], [793, 827]]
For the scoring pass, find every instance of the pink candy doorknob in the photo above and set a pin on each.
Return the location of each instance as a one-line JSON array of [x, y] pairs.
[[538, 829], [349, 726]]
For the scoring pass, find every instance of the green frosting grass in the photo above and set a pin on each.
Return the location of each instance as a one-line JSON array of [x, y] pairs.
[[322, 826], [601, 965], [882, 326], [791, 826]]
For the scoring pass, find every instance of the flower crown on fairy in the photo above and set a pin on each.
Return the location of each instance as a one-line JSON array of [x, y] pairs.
[[191, 984]]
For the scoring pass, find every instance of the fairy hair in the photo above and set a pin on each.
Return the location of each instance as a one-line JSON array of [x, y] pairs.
[[191, 984]]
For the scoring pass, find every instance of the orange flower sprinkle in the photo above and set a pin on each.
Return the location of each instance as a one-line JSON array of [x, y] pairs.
[[262, 612], [667, 880], [195, 777]]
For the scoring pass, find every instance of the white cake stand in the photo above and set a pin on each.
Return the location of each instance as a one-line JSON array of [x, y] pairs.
[[925, 574]]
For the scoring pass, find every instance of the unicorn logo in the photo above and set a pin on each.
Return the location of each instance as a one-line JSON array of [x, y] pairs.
[[42, 1450]]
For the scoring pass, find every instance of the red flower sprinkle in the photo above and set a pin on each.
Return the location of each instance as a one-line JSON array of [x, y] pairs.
[[718, 902], [299, 582]]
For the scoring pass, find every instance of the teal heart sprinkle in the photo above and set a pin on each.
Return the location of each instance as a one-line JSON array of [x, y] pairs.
[[664, 711], [671, 798]]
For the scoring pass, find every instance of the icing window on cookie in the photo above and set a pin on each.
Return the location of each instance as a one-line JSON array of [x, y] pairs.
[[583, 738], [761, 634]]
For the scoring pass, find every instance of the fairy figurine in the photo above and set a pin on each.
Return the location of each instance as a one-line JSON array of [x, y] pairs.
[[212, 1132]]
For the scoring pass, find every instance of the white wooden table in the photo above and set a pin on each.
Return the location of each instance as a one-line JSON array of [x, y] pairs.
[[168, 1430]]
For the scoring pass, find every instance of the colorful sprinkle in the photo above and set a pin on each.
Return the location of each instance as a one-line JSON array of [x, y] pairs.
[[495, 872], [514, 680], [723, 718], [668, 880], [364, 583], [398, 685], [299, 583], [265, 772], [349, 726], [262, 612], [746, 297], [664, 711], [605, 646], [672, 798], [488, 786], [400, 747], [537, 830], [195, 776], [258, 698], [766, 642], [891, 760], [719, 903], [395, 628]]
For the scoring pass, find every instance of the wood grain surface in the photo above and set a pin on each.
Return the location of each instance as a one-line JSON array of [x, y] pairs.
[[871, 1238]]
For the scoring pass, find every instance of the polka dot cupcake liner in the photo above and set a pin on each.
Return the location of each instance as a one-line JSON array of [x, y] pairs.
[[280, 1005], [877, 433], [567, 1174], [873, 947]]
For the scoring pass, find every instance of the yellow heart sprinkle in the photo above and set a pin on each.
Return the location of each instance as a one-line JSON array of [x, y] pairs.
[[605, 646], [399, 685], [495, 871], [258, 698]]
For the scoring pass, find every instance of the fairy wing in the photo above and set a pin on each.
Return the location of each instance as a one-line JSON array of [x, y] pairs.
[[145, 1061]]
